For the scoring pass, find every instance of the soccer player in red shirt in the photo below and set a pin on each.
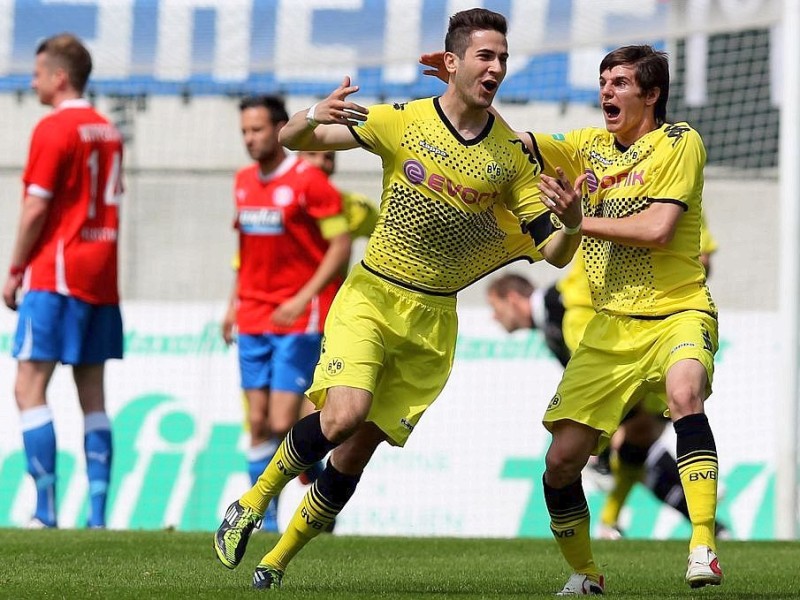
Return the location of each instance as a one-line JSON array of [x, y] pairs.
[[65, 260], [294, 246]]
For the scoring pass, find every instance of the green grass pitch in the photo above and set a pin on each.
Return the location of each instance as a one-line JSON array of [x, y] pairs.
[[164, 564]]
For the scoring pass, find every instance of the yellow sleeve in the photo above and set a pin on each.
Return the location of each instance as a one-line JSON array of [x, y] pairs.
[[557, 150], [525, 199], [679, 175], [381, 132], [330, 227]]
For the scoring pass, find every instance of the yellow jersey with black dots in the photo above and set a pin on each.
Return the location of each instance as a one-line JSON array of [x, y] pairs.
[[360, 212], [574, 286], [452, 209], [664, 165]]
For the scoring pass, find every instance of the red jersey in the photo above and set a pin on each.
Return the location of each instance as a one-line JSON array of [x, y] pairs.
[[75, 162], [280, 243]]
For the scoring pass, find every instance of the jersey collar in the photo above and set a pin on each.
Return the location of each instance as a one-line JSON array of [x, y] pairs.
[[74, 103], [476, 140], [286, 164]]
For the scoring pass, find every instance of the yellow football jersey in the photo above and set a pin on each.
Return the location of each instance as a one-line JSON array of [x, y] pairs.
[[708, 243], [665, 165], [361, 214], [452, 209]]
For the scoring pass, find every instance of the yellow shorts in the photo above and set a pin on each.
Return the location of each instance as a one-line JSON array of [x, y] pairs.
[[574, 325], [393, 342], [622, 360]]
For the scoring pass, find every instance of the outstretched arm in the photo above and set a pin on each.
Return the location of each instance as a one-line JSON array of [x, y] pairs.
[[324, 126]]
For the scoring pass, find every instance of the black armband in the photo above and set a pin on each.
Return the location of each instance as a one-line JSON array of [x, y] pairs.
[[541, 228]]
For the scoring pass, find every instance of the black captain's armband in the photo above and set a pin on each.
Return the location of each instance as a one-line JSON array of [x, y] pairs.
[[540, 228]]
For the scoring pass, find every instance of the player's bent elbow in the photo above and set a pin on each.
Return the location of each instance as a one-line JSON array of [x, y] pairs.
[[560, 255], [661, 238], [558, 261]]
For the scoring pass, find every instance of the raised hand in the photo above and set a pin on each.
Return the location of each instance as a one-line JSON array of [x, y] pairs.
[[563, 198], [336, 109], [435, 60]]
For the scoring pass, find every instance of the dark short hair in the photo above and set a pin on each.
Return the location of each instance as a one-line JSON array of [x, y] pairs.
[[511, 282], [651, 68], [274, 105], [67, 51], [463, 23]]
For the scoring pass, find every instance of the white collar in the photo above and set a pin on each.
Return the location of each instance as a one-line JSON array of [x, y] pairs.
[[287, 163], [74, 103]]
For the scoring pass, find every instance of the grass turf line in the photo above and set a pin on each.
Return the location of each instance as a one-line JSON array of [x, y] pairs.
[[166, 564]]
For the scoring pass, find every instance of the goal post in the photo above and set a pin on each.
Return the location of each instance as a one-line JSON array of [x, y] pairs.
[[786, 493]]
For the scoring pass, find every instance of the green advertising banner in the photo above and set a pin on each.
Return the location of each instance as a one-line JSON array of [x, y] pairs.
[[472, 468]]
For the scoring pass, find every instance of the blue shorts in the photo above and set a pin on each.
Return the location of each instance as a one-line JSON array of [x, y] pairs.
[[53, 327], [278, 362]]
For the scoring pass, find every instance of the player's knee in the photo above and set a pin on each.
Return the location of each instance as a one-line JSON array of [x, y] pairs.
[[339, 425], [351, 459], [643, 434], [562, 466], [259, 429], [279, 427], [684, 400], [27, 396]]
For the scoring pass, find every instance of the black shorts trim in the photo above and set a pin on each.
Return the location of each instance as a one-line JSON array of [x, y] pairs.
[[405, 285], [662, 317]]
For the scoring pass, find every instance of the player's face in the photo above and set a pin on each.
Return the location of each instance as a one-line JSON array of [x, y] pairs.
[[46, 79], [260, 134], [321, 159], [628, 112], [505, 312], [479, 74]]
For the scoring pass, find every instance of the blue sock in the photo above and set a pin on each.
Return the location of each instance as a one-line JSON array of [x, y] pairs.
[[98, 447], [258, 458], [39, 439]]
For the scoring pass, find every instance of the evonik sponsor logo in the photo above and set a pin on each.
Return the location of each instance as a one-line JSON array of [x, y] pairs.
[[626, 179], [416, 174]]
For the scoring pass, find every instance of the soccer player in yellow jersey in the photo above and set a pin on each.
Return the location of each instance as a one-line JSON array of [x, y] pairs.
[[360, 212], [655, 331], [561, 312], [656, 325], [639, 455], [461, 198]]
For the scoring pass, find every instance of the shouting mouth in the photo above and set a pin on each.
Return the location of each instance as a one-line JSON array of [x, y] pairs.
[[610, 111]]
